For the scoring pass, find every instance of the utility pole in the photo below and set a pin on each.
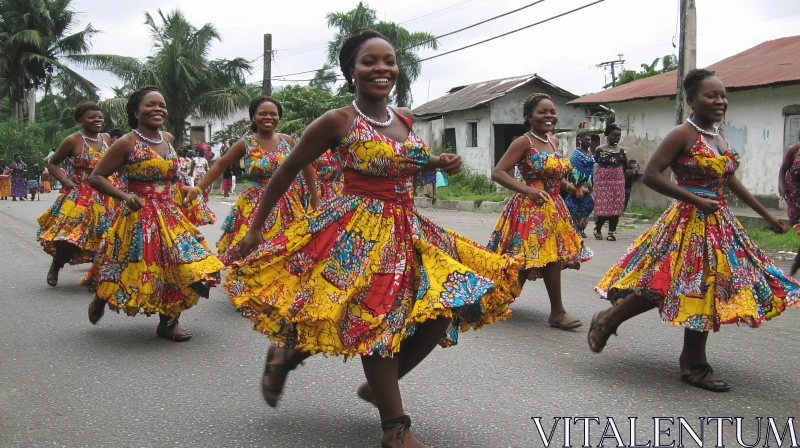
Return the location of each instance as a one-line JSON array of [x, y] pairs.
[[613, 64], [687, 55], [266, 85]]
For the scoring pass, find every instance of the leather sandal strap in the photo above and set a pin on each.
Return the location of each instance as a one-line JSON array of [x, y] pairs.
[[403, 420]]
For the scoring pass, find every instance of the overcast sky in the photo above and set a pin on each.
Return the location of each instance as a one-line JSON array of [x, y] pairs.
[[563, 51]]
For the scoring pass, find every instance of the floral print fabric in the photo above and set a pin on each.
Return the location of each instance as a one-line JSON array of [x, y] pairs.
[[356, 276], [582, 176], [793, 192], [541, 234], [80, 216], [152, 260], [328, 176], [702, 270]]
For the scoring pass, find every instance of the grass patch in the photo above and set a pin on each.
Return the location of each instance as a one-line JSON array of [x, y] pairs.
[[466, 186], [769, 240], [646, 212]]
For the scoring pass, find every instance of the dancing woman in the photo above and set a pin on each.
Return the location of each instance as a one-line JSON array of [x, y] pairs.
[[789, 189], [71, 230], [365, 274], [580, 208], [152, 259], [263, 153], [696, 264], [536, 224], [609, 183]]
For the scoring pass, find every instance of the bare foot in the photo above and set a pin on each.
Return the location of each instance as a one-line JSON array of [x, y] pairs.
[[564, 321], [701, 375], [173, 332], [600, 330]]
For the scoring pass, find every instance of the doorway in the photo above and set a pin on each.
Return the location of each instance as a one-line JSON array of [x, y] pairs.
[[504, 134]]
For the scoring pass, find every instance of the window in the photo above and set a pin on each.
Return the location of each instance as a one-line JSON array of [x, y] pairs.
[[472, 134]]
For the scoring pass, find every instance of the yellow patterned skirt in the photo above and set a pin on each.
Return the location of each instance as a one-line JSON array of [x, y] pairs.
[[80, 217], [358, 276], [540, 234], [153, 260]]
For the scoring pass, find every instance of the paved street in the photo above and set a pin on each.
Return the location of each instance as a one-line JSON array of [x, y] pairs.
[[68, 383]]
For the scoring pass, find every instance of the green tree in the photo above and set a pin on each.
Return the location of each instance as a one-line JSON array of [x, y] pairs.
[[668, 63], [324, 78], [36, 42], [302, 105], [406, 43], [180, 66]]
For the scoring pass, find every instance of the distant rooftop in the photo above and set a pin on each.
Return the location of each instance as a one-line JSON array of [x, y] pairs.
[[472, 95], [769, 63]]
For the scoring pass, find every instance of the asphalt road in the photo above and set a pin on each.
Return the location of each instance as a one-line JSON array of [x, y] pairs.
[[64, 382]]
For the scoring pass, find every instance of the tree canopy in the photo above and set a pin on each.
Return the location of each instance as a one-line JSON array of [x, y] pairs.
[[668, 63]]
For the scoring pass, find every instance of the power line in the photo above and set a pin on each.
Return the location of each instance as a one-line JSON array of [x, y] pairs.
[[513, 31], [475, 24]]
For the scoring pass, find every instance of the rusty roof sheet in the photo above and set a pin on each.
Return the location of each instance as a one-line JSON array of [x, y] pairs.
[[473, 95], [772, 62]]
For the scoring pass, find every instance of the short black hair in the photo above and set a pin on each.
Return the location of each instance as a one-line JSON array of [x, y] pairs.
[[259, 101], [349, 50], [611, 127], [133, 104], [691, 83], [116, 133], [83, 107], [530, 104]]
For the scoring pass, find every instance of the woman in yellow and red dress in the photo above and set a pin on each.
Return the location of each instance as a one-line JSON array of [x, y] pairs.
[[536, 223], [696, 264], [152, 259], [365, 274], [71, 230], [263, 152]]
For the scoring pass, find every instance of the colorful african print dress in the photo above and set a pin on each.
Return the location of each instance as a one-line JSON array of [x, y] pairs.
[[328, 176], [541, 234], [793, 192], [357, 275], [260, 165], [702, 270], [609, 184], [80, 216], [582, 175], [19, 185], [152, 260], [197, 212]]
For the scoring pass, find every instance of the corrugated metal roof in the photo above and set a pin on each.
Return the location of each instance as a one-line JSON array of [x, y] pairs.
[[772, 62], [473, 95]]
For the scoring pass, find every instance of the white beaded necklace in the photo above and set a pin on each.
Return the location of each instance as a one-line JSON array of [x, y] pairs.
[[86, 137], [380, 124], [714, 133], [543, 140], [148, 140]]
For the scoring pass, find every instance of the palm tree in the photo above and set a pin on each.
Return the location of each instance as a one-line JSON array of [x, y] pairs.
[[406, 43], [36, 41], [324, 78], [191, 83]]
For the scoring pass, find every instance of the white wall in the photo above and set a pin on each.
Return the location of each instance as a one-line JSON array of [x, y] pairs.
[[754, 125], [478, 159], [217, 124], [432, 133]]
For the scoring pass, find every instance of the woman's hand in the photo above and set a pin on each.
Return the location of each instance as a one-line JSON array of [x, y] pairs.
[[133, 202], [450, 163], [580, 193], [776, 225], [251, 240], [539, 197], [189, 194], [68, 184], [706, 205]]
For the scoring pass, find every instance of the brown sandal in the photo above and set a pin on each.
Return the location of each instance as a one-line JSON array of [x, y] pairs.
[[699, 378], [52, 274], [604, 330], [168, 329], [279, 372]]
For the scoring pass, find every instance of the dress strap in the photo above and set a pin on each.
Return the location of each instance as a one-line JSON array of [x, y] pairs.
[[402, 117], [531, 142]]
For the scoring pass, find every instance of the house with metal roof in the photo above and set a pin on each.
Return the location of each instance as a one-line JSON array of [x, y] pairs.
[[762, 121], [479, 121]]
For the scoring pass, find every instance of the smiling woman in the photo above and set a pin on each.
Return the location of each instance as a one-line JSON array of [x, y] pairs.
[[365, 274], [152, 258], [71, 230]]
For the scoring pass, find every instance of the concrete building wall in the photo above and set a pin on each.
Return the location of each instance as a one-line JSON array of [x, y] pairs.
[[432, 133], [212, 125], [478, 159], [754, 126]]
